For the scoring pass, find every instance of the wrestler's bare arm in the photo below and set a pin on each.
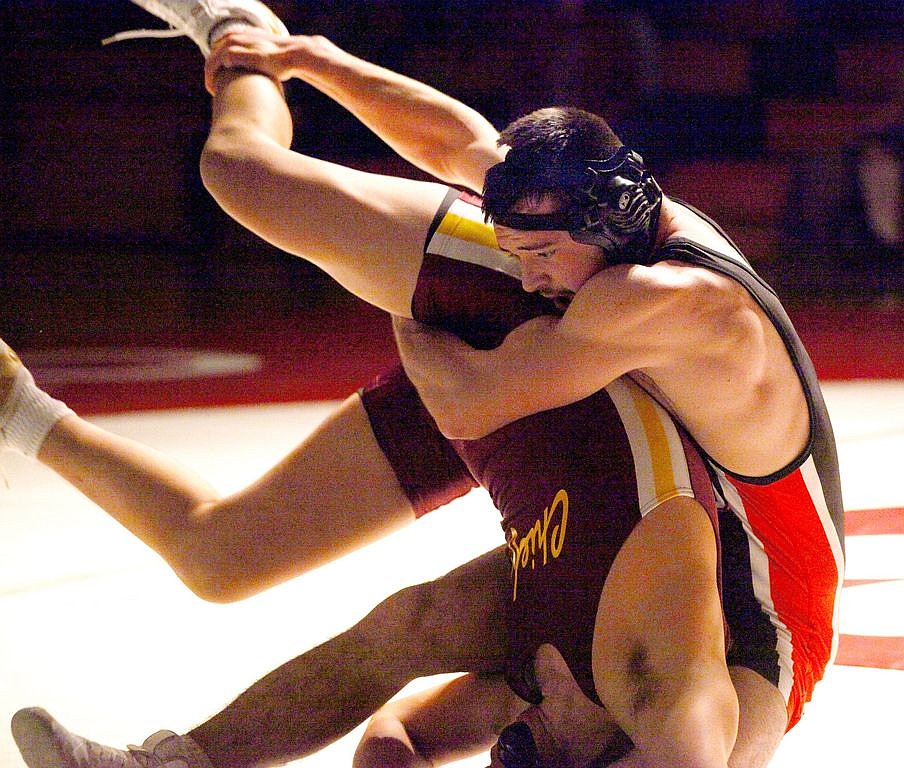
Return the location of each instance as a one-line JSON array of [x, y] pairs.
[[435, 132], [623, 319], [365, 230]]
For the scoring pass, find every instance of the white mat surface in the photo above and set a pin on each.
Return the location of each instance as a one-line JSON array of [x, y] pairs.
[[96, 629]]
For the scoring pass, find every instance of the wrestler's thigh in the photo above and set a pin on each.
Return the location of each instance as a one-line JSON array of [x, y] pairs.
[[332, 494], [451, 721], [460, 618], [659, 615], [763, 719], [366, 230]]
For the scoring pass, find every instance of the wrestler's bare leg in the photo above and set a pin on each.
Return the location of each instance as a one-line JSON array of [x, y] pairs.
[[761, 725], [763, 719], [228, 548], [450, 722], [658, 652], [366, 230], [319, 696], [456, 719]]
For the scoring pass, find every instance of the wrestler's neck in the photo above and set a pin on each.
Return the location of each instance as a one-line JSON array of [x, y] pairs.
[[677, 221], [669, 224]]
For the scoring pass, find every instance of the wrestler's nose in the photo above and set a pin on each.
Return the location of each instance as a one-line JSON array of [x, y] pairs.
[[532, 278]]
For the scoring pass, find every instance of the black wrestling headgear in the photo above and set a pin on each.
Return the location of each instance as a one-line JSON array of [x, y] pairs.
[[614, 203]]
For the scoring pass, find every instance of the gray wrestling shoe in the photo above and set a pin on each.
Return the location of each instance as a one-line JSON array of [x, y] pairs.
[[197, 19], [44, 743]]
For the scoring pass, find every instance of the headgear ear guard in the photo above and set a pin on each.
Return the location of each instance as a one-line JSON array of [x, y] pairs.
[[615, 203]]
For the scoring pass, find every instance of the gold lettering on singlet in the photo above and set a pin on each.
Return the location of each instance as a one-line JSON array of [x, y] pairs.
[[539, 540]]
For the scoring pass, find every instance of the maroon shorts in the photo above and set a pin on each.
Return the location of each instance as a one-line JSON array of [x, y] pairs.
[[426, 465]]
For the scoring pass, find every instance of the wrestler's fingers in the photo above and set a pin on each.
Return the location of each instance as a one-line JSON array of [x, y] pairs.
[[256, 52]]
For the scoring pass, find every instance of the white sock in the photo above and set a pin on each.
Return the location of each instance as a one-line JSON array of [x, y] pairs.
[[28, 415]]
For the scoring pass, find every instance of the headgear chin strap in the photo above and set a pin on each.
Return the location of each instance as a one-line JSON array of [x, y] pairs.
[[615, 205]]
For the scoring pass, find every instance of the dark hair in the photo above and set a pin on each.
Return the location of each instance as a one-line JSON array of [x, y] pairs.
[[543, 144]]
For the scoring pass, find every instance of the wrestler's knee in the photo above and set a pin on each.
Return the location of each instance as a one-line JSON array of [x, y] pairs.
[[212, 574], [386, 744], [218, 159], [411, 610], [228, 160], [403, 626]]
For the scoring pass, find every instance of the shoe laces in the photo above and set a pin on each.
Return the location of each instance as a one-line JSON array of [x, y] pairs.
[[87, 753], [166, 749], [138, 34], [147, 759]]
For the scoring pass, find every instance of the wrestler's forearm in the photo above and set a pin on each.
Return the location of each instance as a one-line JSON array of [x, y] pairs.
[[438, 366], [471, 392], [463, 388], [435, 132]]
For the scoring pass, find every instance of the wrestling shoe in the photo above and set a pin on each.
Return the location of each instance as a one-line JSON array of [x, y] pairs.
[[516, 747], [199, 19], [44, 743]]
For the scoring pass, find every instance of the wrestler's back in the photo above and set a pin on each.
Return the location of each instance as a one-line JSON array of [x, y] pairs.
[[743, 398]]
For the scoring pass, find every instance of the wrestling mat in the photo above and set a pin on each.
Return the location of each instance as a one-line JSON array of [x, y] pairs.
[[97, 630]]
